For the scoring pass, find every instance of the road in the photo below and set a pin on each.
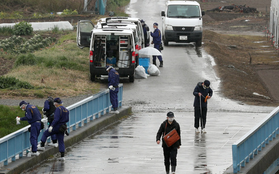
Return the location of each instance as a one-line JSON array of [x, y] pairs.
[[129, 147]]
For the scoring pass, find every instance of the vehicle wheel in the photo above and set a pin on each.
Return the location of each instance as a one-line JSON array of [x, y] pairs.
[[132, 78], [92, 77], [198, 43], [166, 42]]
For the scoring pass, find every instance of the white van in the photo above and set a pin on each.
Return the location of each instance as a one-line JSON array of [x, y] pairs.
[[108, 47], [182, 22]]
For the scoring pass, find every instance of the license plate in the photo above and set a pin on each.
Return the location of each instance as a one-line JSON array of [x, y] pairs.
[[183, 37]]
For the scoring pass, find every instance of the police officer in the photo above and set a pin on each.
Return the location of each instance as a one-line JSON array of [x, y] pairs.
[[48, 111], [58, 126], [33, 116], [170, 153], [157, 42], [202, 93], [145, 30], [113, 82]]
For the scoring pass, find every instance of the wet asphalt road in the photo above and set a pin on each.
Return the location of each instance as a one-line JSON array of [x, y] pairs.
[[129, 147]]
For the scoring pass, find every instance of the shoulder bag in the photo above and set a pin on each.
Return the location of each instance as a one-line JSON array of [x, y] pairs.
[[171, 137]]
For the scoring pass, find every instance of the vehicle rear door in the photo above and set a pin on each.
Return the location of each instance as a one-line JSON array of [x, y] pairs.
[[84, 32]]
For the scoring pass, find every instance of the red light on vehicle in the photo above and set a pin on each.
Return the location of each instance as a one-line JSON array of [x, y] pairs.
[[137, 47], [133, 57], [91, 56]]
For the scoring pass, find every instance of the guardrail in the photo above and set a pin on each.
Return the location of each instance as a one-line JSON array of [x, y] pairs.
[[16, 144], [257, 138]]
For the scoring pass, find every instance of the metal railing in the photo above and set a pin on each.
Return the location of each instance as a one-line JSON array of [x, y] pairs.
[[257, 138], [16, 144]]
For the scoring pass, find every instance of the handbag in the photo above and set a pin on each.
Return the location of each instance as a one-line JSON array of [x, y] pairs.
[[161, 47], [171, 137]]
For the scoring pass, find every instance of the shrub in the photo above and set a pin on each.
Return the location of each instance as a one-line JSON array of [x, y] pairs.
[[23, 28], [12, 82], [28, 59]]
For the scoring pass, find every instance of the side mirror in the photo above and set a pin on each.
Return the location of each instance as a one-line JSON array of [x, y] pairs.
[[163, 13], [136, 39], [203, 13]]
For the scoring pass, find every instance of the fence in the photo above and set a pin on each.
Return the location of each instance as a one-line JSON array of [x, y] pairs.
[[252, 143], [16, 145]]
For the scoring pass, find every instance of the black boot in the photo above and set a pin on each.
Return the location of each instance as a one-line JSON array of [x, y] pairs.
[[154, 62], [167, 169], [161, 64], [173, 169]]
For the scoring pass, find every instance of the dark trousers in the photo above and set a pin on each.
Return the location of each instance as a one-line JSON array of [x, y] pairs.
[[170, 154], [200, 118], [34, 133], [157, 46], [53, 137], [114, 98], [59, 136]]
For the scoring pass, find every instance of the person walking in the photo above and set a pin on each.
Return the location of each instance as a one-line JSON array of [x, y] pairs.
[[48, 111], [145, 29], [157, 41], [113, 82], [202, 93], [170, 153], [33, 116], [58, 127]]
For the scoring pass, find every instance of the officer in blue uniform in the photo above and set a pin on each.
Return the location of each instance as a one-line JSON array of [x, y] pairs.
[[157, 42], [58, 126], [145, 30], [48, 111], [202, 93], [33, 116], [113, 81]]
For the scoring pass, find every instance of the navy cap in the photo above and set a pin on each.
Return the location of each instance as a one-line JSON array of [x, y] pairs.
[[57, 100], [206, 83], [155, 24], [170, 114], [23, 103], [142, 21]]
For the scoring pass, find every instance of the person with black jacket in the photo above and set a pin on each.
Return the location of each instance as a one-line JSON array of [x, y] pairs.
[[48, 111], [170, 153], [202, 93]]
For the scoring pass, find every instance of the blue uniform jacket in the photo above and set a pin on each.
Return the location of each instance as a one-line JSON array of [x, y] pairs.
[[113, 78], [156, 36], [32, 114], [199, 89], [61, 116]]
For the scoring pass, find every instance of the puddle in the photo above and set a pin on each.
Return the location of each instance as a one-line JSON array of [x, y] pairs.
[[265, 46], [259, 41]]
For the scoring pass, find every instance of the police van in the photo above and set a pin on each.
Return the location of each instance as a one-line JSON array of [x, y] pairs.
[[108, 46], [182, 22], [126, 20]]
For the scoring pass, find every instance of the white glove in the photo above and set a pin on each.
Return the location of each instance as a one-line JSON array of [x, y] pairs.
[[17, 120], [111, 87], [43, 110], [50, 129]]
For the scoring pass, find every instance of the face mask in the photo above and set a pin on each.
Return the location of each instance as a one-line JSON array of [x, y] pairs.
[[170, 119], [23, 109]]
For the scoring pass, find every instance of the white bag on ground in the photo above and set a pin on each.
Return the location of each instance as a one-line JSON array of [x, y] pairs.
[[153, 70], [140, 72]]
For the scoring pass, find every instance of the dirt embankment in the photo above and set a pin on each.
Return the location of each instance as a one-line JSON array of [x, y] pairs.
[[246, 60]]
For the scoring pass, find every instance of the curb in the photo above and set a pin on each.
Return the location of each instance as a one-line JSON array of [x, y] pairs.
[[90, 128]]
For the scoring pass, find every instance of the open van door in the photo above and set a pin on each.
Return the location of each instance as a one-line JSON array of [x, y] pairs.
[[84, 31]]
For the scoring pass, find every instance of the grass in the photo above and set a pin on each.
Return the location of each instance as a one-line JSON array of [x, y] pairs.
[[7, 119]]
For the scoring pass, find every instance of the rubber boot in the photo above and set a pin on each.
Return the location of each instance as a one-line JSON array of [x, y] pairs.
[[154, 62], [173, 169], [161, 64], [167, 169]]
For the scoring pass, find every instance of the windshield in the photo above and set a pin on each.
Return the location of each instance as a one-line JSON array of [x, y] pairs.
[[183, 11], [85, 27]]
